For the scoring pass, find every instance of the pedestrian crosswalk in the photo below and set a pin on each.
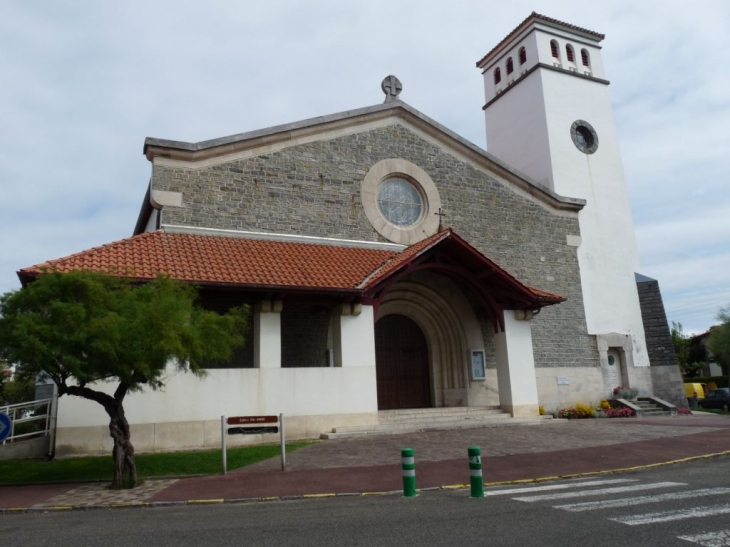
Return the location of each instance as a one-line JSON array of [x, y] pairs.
[[633, 495]]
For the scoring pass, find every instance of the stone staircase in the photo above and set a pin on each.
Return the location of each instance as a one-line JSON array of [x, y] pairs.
[[432, 419], [650, 408]]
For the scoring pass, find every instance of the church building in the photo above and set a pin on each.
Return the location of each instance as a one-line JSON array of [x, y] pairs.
[[393, 267]]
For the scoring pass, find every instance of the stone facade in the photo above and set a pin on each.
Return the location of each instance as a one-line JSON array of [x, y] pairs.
[[666, 377], [314, 189]]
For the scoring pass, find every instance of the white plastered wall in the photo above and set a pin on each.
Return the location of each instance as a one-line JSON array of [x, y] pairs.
[[516, 367], [528, 127], [186, 414]]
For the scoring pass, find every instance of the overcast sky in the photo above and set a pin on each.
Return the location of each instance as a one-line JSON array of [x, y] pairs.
[[83, 83]]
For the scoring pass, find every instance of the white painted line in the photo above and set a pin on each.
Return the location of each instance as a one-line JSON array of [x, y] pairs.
[[667, 516], [561, 486], [712, 539], [600, 491], [628, 502]]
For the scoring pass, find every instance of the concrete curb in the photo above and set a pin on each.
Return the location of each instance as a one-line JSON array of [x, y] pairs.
[[227, 501]]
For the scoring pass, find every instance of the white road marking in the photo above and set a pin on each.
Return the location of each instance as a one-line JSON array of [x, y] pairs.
[[712, 539], [667, 516], [627, 502], [561, 486], [599, 492]]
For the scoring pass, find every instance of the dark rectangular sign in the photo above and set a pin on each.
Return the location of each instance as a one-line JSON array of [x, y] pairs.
[[252, 420], [252, 430]]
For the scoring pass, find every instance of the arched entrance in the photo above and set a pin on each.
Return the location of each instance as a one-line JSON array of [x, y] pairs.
[[402, 366]]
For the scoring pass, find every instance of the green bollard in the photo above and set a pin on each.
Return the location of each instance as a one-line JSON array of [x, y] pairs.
[[409, 473], [475, 472]]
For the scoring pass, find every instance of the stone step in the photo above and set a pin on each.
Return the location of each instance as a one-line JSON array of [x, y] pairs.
[[395, 418], [386, 429], [657, 412], [442, 410], [426, 422]]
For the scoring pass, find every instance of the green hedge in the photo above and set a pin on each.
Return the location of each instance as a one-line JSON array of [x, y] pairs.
[[720, 381]]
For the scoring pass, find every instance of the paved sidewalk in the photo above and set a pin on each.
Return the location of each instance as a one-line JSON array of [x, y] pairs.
[[369, 465]]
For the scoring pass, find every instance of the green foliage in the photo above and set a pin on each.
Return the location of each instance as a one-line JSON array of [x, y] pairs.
[[719, 341], [681, 343], [621, 392], [148, 465], [85, 326], [16, 391]]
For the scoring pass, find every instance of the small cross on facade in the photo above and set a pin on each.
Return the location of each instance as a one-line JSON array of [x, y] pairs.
[[392, 87], [441, 216]]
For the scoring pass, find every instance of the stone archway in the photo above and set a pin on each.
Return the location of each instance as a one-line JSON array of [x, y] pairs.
[[445, 335]]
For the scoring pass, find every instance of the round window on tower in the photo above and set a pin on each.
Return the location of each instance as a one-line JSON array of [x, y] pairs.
[[584, 136]]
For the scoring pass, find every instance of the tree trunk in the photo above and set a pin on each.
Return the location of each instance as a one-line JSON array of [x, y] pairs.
[[125, 470]]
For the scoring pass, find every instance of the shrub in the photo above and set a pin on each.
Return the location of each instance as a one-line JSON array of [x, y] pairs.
[[604, 404], [542, 410], [585, 411], [623, 412], [621, 392], [577, 412], [683, 411]]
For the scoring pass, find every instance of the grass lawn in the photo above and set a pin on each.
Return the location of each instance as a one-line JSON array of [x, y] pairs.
[[148, 465]]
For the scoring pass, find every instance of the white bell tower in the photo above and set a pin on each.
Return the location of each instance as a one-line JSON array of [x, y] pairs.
[[548, 114]]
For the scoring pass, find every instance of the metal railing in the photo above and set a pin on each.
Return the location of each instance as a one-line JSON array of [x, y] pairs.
[[33, 419]]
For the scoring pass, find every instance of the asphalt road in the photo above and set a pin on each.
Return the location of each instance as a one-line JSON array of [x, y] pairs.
[[685, 504]]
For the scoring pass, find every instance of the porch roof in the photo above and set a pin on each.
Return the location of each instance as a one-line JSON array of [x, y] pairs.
[[211, 261]]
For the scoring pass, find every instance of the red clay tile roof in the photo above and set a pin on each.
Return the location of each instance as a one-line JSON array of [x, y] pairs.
[[539, 17], [404, 258], [214, 260], [220, 260]]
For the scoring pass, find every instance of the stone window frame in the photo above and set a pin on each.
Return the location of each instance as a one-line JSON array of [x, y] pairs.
[[427, 224], [574, 136]]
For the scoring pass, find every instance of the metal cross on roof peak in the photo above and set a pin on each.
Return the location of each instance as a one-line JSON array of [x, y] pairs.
[[392, 87]]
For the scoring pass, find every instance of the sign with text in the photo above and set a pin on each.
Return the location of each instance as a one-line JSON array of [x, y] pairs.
[[252, 425], [252, 430], [252, 420]]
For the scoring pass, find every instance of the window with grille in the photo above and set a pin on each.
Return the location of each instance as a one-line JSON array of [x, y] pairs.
[[584, 57], [569, 53], [510, 66], [523, 55], [497, 75]]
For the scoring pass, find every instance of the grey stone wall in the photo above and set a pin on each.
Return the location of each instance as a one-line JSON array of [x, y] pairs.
[[666, 376], [304, 336], [314, 189], [656, 328]]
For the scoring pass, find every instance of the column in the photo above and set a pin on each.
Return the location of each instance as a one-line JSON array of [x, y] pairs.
[[354, 336], [267, 334], [516, 365]]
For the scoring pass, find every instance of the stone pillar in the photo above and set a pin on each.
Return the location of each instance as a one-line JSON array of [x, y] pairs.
[[267, 334], [354, 336], [516, 365]]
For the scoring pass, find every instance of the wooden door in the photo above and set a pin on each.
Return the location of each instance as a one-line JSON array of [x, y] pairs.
[[401, 357]]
